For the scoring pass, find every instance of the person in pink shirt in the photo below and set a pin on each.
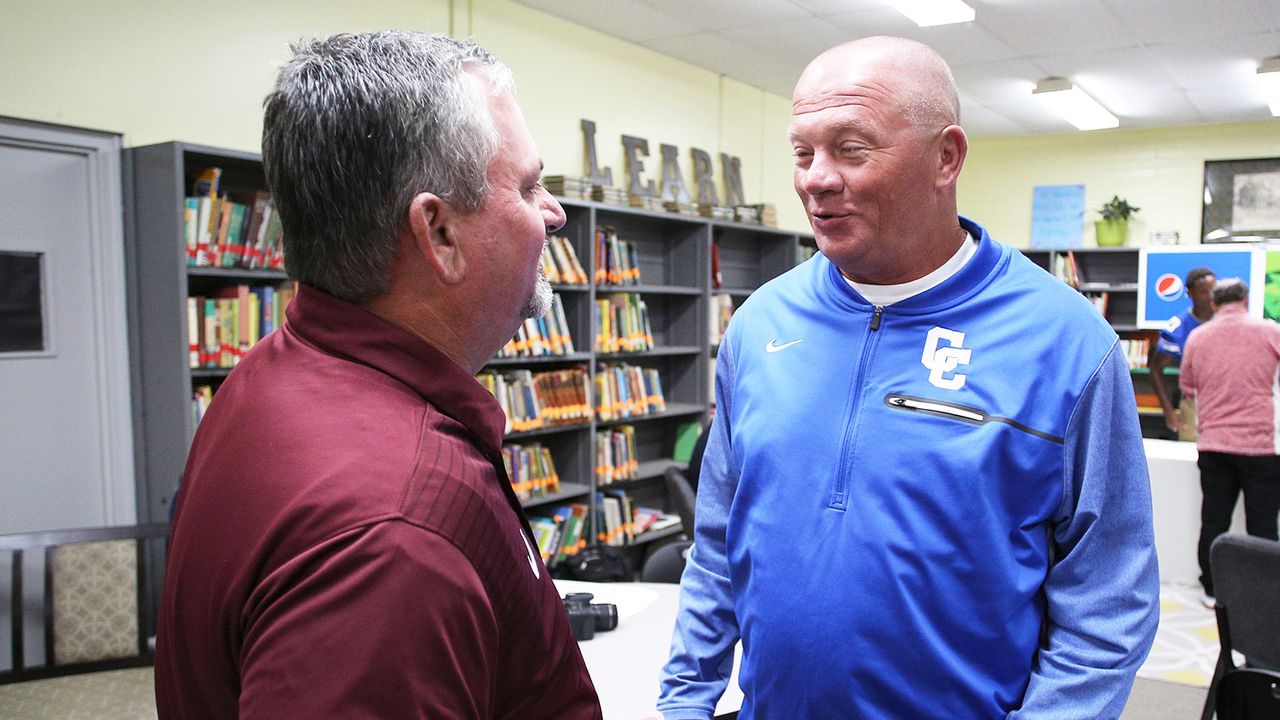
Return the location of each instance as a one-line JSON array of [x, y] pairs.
[[1230, 366]]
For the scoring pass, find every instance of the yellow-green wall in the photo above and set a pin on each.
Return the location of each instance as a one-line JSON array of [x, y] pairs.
[[159, 70], [1159, 170]]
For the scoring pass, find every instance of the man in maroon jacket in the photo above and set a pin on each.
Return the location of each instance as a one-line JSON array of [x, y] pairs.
[[347, 543]]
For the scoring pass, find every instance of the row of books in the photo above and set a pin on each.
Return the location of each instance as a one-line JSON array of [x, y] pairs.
[[616, 457], [1066, 269], [545, 336], [618, 521], [531, 469], [625, 391], [1136, 351], [555, 398], [721, 310], [560, 263], [221, 329], [539, 400], [622, 324], [616, 262], [222, 230]]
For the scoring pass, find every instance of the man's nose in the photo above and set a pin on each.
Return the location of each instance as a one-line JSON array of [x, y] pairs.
[[552, 214], [820, 177]]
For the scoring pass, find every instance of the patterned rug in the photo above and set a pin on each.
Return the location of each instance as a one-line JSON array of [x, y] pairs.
[[1186, 647]]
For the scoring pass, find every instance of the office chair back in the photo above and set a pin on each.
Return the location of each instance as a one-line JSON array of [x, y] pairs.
[[666, 564], [1246, 579], [95, 601], [682, 497]]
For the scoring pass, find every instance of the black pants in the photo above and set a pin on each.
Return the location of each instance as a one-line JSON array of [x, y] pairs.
[[1222, 477]]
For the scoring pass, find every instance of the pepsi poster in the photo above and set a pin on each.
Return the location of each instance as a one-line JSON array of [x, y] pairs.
[[1162, 272]]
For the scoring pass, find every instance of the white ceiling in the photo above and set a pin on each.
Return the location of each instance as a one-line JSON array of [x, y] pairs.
[[1151, 62]]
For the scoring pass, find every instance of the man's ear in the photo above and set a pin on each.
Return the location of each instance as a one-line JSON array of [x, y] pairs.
[[430, 223], [953, 147]]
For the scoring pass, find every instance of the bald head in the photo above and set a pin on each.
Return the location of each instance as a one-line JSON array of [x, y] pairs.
[[908, 76]]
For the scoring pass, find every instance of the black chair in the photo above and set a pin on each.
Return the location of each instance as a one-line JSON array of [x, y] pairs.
[[95, 602], [1246, 580], [682, 497], [666, 564], [1249, 694]]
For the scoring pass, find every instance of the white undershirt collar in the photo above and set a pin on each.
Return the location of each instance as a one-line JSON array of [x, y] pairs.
[[889, 294]]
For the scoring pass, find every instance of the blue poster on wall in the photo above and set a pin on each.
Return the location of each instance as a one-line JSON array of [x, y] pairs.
[[1057, 216], [1162, 273]]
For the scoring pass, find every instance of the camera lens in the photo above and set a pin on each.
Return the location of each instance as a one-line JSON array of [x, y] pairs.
[[606, 615]]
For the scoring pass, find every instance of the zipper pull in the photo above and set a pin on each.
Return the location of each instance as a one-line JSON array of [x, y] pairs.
[[875, 319]]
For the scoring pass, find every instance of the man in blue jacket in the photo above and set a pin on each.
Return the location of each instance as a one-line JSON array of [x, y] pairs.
[[924, 494]]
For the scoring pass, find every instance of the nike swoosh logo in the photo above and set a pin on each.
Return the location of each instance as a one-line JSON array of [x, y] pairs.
[[772, 347], [533, 562]]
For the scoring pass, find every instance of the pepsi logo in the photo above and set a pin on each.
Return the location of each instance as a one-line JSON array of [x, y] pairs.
[[1169, 287]]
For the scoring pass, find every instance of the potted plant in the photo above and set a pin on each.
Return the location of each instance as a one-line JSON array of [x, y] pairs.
[[1112, 229]]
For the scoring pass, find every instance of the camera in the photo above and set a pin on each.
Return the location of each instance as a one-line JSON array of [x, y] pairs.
[[587, 618]]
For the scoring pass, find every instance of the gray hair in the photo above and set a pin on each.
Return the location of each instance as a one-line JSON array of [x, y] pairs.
[[1231, 290], [355, 128]]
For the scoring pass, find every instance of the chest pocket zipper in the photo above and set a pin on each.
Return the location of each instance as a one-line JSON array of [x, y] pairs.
[[956, 411]]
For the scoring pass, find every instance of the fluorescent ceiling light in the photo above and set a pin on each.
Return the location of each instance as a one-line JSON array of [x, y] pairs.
[[1073, 105], [934, 12], [1269, 79]]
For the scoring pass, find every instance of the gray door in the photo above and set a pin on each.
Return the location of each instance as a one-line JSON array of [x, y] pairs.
[[65, 430]]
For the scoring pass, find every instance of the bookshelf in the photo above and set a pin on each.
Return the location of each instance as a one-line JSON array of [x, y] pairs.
[[1109, 278], [672, 252]]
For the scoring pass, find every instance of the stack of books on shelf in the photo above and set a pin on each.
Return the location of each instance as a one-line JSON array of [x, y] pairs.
[[626, 391], [646, 202], [545, 336], [615, 259], [715, 212], [231, 230], [531, 469], [616, 455], [609, 194], [532, 401], [569, 186], [622, 322], [768, 214], [1136, 351], [747, 214], [221, 329], [652, 520], [681, 208], [561, 534], [560, 263]]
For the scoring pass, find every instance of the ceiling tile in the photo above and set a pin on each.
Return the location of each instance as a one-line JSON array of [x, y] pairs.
[[1231, 104], [1045, 27], [630, 20], [1006, 81], [1224, 62], [1161, 21], [979, 121], [721, 14], [959, 44]]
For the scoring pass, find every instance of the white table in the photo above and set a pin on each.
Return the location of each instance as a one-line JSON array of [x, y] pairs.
[[624, 663], [1175, 505]]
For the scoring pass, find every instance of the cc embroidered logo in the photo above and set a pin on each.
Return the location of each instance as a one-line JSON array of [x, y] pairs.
[[944, 359]]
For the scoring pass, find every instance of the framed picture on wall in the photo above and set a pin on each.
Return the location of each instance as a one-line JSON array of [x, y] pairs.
[[1241, 200]]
